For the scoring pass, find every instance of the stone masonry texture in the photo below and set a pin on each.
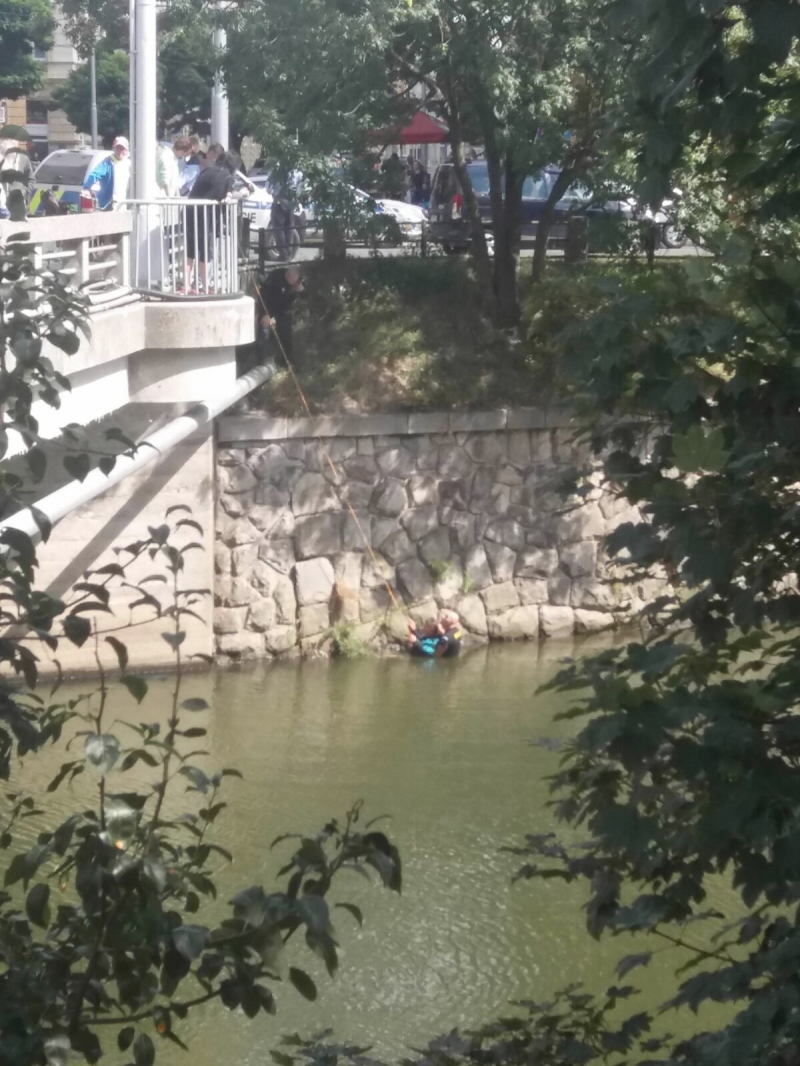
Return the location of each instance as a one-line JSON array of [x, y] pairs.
[[418, 513]]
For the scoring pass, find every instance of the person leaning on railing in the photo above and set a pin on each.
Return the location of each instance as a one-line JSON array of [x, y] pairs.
[[204, 221]]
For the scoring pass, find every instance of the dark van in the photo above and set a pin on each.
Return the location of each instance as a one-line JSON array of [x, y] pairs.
[[448, 225]]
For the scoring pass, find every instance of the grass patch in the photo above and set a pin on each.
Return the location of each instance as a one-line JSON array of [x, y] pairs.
[[409, 334]]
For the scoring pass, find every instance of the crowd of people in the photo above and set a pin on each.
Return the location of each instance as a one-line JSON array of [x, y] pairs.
[[405, 180], [439, 638]]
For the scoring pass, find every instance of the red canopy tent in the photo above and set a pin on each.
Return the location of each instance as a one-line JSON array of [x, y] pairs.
[[422, 129]]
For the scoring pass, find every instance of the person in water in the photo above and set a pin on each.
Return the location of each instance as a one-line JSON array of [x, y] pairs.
[[424, 643], [439, 639]]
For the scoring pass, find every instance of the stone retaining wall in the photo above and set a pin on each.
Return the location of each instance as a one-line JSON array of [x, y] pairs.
[[461, 510]]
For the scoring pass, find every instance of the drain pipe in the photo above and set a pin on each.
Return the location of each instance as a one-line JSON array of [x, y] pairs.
[[76, 493]]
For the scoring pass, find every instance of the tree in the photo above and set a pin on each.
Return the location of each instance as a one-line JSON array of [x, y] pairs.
[[516, 77], [73, 97], [24, 26]]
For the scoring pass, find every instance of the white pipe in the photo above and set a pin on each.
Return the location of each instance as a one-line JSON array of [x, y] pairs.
[[144, 164], [76, 493], [220, 123]]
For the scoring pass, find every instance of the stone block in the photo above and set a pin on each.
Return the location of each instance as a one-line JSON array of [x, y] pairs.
[[537, 563], [532, 590], [472, 614], [235, 479], [319, 534], [276, 522], [295, 449], [593, 595], [243, 560], [592, 621], [278, 554], [526, 418], [557, 621], [243, 645], [236, 592], [376, 572], [476, 568], [285, 601], [365, 446], [542, 446], [236, 506], [427, 453], [251, 427], [312, 495], [454, 462], [389, 498], [313, 619], [435, 547], [280, 639], [229, 619], [313, 581], [396, 462], [415, 580], [462, 528], [382, 529], [454, 494], [340, 449], [356, 531], [229, 456], [579, 560], [261, 615], [519, 448], [421, 612], [398, 547], [518, 623], [506, 531], [347, 568], [559, 589], [483, 482], [497, 598], [502, 561], [235, 531], [580, 523], [420, 521], [429, 422], [267, 495], [267, 460], [374, 603], [423, 489], [509, 475], [500, 500], [362, 468], [478, 421], [485, 447], [450, 587], [355, 493], [222, 559]]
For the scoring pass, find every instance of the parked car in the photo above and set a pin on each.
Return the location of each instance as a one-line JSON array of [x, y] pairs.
[[449, 226], [60, 176], [409, 218], [256, 201]]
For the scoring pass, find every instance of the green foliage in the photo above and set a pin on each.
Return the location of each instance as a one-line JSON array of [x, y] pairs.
[[439, 569], [24, 25], [73, 96], [346, 642]]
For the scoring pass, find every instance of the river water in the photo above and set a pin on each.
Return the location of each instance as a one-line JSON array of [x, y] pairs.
[[449, 750]]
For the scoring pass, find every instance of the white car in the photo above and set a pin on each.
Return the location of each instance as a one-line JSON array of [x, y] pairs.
[[409, 217], [256, 201]]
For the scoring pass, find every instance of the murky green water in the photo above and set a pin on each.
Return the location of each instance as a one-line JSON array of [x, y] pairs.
[[448, 749]]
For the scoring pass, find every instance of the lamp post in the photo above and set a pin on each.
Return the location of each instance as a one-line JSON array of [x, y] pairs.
[[220, 121], [93, 95]]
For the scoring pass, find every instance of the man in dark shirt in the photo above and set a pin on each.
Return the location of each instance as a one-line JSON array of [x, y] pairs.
[[278, 292]]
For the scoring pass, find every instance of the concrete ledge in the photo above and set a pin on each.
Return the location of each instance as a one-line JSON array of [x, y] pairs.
[[255, 428], [69, 227]]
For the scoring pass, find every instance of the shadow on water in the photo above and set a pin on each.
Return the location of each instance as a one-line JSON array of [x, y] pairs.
[[447, 749]]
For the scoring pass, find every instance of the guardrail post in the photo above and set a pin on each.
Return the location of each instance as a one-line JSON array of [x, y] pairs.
[[82, 258]]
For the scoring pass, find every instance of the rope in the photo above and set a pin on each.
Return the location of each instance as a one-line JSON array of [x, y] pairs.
[[326, 454]]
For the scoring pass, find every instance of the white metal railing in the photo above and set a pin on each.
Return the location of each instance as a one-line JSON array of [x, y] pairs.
[[185, 247], [92, 250]]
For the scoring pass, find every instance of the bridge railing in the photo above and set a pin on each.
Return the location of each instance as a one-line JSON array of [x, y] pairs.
[[92, 250], [185, 247]]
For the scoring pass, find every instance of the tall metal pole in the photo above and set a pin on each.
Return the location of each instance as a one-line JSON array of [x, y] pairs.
[[132, 80], [144, 129], [93, 92], [220, 123]]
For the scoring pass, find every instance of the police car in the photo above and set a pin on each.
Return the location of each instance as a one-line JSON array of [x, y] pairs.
[[62, 174]]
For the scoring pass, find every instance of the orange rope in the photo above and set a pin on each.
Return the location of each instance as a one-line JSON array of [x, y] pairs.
[[376, 562]]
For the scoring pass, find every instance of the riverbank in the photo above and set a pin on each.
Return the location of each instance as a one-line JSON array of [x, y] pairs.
[[343, 526]]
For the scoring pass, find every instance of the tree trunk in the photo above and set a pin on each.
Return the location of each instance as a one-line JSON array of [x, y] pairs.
[[334, 241], [543, 226], [480, 253]]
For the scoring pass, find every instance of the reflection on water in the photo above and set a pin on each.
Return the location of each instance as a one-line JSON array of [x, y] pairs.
[[447, 749]]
